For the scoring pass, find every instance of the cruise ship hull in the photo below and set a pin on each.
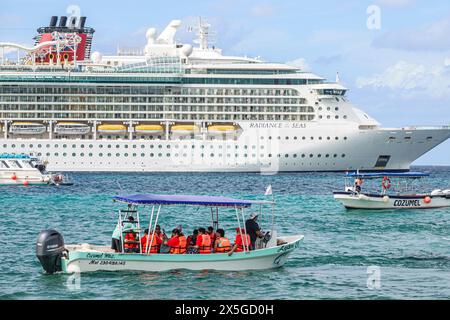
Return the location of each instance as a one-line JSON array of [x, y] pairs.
[[305, 148]]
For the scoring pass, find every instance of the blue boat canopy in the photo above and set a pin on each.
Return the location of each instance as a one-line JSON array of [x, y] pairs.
[[373, 175], [209, 201]]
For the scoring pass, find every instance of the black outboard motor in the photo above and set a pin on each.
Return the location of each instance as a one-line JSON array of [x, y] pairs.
[[49, 250]]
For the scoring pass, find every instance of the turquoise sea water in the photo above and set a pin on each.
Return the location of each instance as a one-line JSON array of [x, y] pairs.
[[411, 247]]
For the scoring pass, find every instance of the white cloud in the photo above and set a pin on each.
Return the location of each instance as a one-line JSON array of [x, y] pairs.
[[394, 3], [299, 63], [411, 80], [434, 37], [262, 10]]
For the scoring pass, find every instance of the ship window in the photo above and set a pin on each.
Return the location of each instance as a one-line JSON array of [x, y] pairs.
[[90, 146], [100, 154], [31, 146], [109, 154], [65, 154], [429, 138], [56, 154], [335, 155], [343, 155], [109, 146], [345, 138], [143, 154], [74, 154], [90, 154], [82, 154], [73, 146], [48, 146], [117, 146], [382, 161]]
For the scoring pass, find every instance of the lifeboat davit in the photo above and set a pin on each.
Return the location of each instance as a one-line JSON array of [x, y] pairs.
[[72, 128], [27, 128], [184, 129], [221, 129], [149, 129], [112, 128]]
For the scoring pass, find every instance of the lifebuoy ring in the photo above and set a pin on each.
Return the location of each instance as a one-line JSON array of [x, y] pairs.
[[386, 183]]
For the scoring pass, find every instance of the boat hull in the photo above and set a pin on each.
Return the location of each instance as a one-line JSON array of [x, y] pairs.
[[99, 260], [372, 201]]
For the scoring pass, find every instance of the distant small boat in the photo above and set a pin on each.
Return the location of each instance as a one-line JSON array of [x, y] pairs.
[[398, 195], [27, 128], [149, 129], [72, 128], [112, 128]]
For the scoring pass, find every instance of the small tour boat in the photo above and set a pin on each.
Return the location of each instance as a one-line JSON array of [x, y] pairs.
[[72, 128], [27, 128], [271, 251], [22, 169], [395, 191]]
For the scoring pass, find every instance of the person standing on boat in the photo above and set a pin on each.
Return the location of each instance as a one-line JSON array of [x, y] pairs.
[[358, 184], [116, 244], [253, 229], [240, 241], [222, 244], [203, 242], [130, 242]]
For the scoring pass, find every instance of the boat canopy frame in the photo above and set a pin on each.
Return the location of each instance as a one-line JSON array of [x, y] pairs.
[[159, 200]]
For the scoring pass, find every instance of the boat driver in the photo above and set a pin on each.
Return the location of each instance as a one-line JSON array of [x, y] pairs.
[[358, 184], [253, 229]]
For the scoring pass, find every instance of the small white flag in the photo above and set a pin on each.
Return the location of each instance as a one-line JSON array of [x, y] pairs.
[[268, 190]]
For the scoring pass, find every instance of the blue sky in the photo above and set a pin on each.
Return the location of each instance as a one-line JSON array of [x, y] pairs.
[[399, 73]]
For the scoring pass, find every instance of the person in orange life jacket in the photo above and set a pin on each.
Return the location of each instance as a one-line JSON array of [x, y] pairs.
[[240, 242], [154, 240], [221, 244], [253, 229], [177, 242], [158, 232], [203, 242], [212, 235], [130, 242]]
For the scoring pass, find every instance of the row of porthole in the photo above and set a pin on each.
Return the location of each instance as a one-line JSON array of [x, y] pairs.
[[202, 155], [329, 117], [152, 146]]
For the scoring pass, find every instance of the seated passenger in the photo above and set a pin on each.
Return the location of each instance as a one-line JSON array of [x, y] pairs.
[[240, 241], [212, 235], [152, 240], [203, 242], [130, 244], [191, 240], [177, 242], [221, 244], [158, 232]]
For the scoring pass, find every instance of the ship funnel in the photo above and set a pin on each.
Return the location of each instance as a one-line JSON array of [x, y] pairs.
[[72, 22], [168, 34], [62, 21], [53, 21], [82, 22]]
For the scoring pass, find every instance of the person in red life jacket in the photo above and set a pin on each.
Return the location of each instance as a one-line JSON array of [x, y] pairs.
[[212, 235], [130, 243], [240, 242], [203, 242], [222, 244], [177, 242], [153, 240]]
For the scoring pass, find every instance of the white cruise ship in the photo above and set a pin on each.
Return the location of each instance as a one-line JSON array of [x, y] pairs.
[[175, 107]]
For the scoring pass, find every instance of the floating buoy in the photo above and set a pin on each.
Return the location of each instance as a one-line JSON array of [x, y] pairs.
[[26, 183], [427, 199], [14, 177]]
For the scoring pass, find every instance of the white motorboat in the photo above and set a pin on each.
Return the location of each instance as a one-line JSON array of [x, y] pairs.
[[271, 252], [22, 169], [396, 191]]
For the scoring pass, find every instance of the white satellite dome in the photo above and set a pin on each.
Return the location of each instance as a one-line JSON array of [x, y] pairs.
[[96, 57], [186, 50]]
